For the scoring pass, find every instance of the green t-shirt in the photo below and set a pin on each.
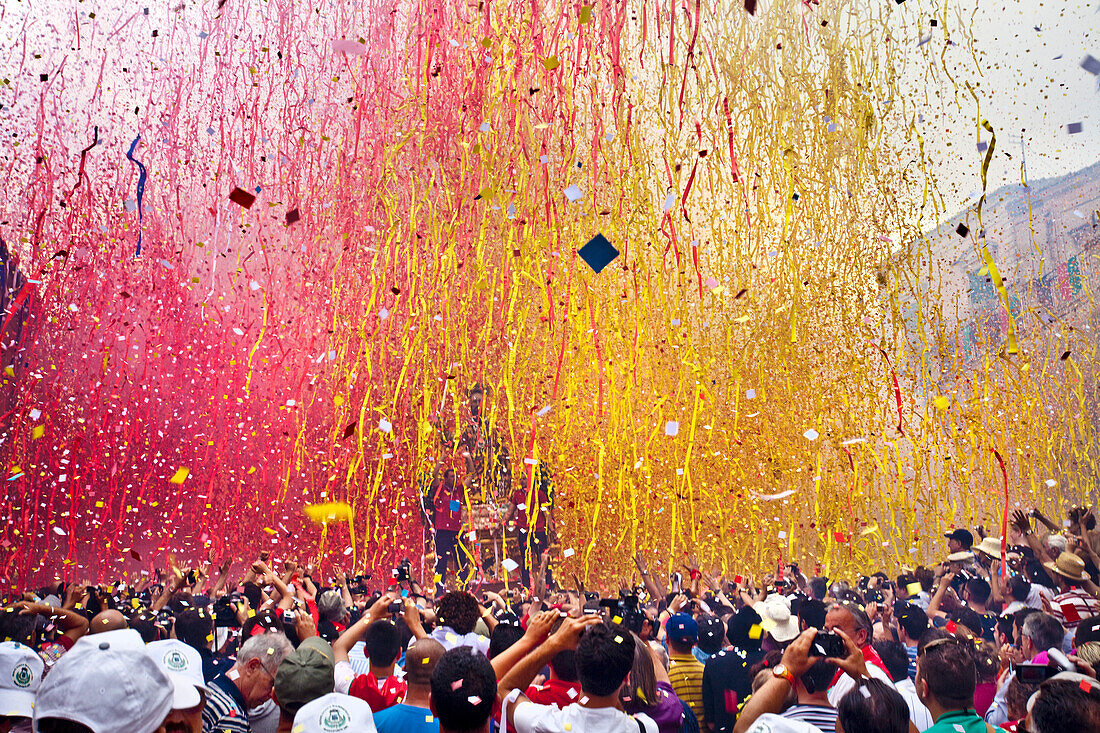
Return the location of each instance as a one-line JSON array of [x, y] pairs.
[[962, 721]]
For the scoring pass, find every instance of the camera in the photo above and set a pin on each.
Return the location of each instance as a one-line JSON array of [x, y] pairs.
[[401, 573], [289, 618], [828, 644], [397, 607], [1034, 674]]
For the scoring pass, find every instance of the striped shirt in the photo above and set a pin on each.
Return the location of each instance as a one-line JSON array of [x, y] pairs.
[[686, 675], [819, 716], [226, 710], [911, 652], [1073, 607]]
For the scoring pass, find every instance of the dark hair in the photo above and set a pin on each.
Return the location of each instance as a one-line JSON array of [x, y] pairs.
[[1066, 705], [711, 633], [905, 580], [459, 611], [913, 620], [812, 612], [564, 665], [1038, 574], [979, 590], [254, 593], [925, 577], [873, 707], [145, 623], [605, 657], [739, 629], [969, 618], [818, 677], [181, 601], [1043, 630], [383, 642], [819, 588], [894, 657], [987, 661], [503, 636], [18, 627], [947, 667], [1018, 588], [1016, 697], [640, 691], [468, 705], [195, 628]]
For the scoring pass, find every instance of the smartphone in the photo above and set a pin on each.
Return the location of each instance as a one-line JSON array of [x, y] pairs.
[[828, 644], [289, 618]]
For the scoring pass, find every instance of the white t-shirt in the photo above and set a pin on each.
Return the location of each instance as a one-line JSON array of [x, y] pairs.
[[772, 723], [533, 718], [846, 684], [446, 636], [918, 713]]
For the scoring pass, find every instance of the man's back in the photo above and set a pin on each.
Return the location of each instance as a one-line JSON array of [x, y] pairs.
[[402, 717], [225, 711], [686, 674], [726, 685]]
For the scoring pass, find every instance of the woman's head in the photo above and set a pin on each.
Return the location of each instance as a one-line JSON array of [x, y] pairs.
[[640, 690]]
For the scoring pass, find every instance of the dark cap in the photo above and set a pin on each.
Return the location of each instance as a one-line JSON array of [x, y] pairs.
[[306, 674], [682, 628], [963, 537]]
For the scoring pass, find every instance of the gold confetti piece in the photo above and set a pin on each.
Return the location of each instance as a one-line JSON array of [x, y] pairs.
[[335, 511], [551, 63], [179, 476]]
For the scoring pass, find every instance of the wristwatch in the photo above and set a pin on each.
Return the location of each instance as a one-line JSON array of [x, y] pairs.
[[780, 671]]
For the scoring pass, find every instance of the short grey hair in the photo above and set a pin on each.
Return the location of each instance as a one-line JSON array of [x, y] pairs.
[[1044, 631], [271, 648], [330, 605]]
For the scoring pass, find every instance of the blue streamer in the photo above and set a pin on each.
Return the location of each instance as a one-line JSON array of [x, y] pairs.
[[140, 187]]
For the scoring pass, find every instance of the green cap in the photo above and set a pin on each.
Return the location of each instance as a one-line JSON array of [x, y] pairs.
[[306, 674]]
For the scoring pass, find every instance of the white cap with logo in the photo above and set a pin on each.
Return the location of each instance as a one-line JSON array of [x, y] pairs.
[[20, 675], [334, 713], [108, 683], [183, 665]]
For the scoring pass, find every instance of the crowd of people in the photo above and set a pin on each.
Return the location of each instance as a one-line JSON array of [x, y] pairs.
[[993, 638]]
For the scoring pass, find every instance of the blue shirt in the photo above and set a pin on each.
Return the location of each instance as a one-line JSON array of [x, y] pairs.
[[402, 717], [911, 651]]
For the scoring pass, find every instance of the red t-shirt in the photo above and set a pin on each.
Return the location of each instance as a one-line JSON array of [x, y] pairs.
[[540, 504], [448, 507], [554, 692], [365, 687]]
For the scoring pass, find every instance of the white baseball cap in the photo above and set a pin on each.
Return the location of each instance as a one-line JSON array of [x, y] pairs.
[[106, 685], [183, 665], [20, 675], [334, 713]]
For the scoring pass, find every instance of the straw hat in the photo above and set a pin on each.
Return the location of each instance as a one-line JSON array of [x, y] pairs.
[[1069, 566], [961, 556], [990, 546]]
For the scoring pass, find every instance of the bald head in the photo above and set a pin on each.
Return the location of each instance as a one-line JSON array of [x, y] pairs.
[[420, 661], [109, 620]]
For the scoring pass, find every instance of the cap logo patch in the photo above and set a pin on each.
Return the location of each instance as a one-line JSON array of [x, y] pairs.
[[22, 675], [175, 661], [334, 718]]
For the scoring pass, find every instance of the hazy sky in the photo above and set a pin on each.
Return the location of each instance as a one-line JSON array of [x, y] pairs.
[[1031, 80]]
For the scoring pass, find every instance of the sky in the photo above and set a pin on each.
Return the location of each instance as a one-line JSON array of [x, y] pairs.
[[1030, 84]]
